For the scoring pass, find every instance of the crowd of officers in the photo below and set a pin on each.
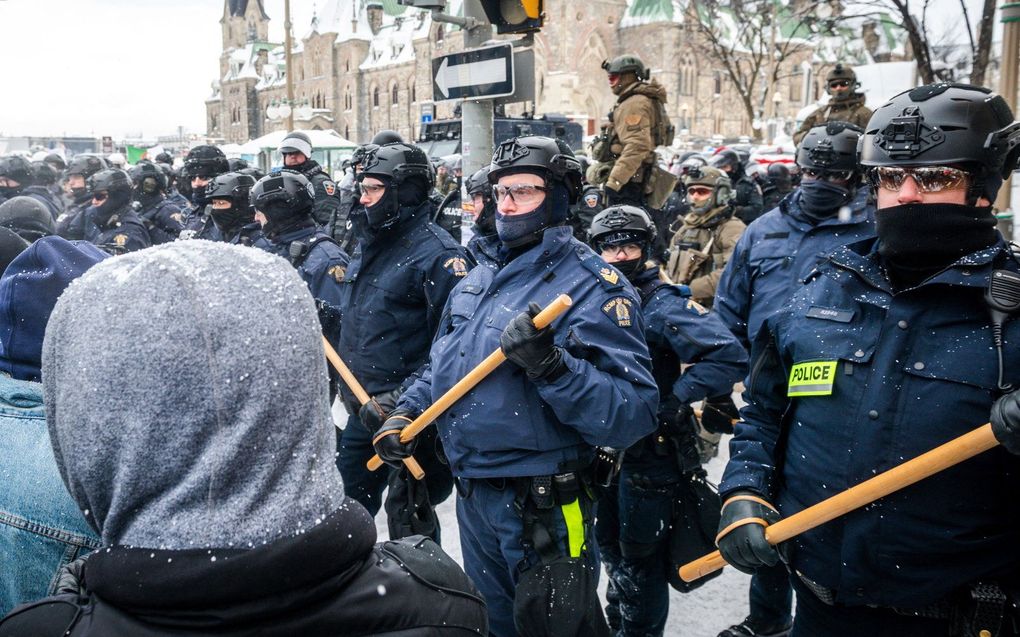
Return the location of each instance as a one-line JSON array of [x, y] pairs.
[[863, 266]]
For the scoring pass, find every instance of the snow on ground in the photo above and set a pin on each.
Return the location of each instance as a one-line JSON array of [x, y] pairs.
[[702, 613]]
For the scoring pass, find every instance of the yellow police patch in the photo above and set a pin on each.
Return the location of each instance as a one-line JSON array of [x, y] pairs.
[[178, 217], [632, 120], [338, 272], [812, 379], [697, 307], [618, 309], [120, 240], [609, 275], [456, 266]]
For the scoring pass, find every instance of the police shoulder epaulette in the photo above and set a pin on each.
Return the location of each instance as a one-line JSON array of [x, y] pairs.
[[608, 276]]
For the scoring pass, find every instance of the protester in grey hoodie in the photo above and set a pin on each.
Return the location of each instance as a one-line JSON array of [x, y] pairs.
[[200, 445]]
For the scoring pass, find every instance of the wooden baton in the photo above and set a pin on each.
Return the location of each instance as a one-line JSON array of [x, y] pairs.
[[475, 376], [363, 397], [927, 464]]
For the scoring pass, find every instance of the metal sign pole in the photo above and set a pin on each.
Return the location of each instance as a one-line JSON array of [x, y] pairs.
[[476, 115]]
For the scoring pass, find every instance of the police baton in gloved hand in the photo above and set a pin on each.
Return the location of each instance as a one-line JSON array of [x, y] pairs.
[[359, 392], [927, 464], [475, 376]]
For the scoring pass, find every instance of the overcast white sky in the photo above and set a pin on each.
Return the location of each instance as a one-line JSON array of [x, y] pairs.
[[130, 67]]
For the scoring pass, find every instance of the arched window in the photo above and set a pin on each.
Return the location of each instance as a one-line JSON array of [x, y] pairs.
[[394, 95], [375, 97], [347, 132], [414, 93], [718, 83]]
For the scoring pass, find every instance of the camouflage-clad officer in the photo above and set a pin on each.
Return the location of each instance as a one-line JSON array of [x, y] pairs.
[[845, 105], [638, 124]]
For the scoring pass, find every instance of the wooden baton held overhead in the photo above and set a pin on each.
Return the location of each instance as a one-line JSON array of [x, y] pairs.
[[927, 464], [363, 397], [475, 376]]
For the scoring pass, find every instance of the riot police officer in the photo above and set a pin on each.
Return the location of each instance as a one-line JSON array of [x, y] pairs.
[[889, 350], [521, 443], [201, 166], [296, 149], [590, 203], [44, 184], [27, 217], [17, 178], [392, 301], [778, 184], [638, 124], [484, 211], [846, 103], [776, 252], [163, 219], [701, 248], [111, 222], [747, 200], [71, 224], [229, 196], [635, 512]]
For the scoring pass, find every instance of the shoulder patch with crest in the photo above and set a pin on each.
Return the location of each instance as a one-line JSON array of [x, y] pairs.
[[619, 310], [632, 120], [329, 186], [697, 307], [178, 217], [120, 240], [456, 266], [338, 272]]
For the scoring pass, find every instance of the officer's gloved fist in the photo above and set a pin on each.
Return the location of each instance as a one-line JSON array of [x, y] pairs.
[[387, 440], [532, 348], [1006, 421], [718, 414], [677, 421], [741, 538], [373, 413]]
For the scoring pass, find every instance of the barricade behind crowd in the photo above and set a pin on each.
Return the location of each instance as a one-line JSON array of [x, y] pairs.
[[185, 476]]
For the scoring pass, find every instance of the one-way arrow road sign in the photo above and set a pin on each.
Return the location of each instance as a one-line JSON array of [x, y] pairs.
[[478, 73]]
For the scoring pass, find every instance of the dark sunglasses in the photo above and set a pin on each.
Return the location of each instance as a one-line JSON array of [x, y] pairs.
[[827, 175], [100, 196], [839, 83], [928, 178]]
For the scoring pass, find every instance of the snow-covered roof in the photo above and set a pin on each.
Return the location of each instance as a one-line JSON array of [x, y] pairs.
[[241, 61], [346, 18], [394, 44], [640, 12]]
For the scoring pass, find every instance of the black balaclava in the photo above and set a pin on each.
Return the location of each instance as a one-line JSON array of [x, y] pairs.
[[485, 222], [409, 193], [820, 199], [116, 200], [198, 196], [916, 240], [516, 231], [80, 195], [147, 193], [10, 192], [280, 218], [231, 220]]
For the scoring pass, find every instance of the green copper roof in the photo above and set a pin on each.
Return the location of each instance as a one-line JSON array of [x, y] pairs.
[[651, 10]]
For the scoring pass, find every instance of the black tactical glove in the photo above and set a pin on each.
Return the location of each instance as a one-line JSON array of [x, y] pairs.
[[532, 348], [1006, 421], [387, 440], [373, 413], [718, 414], [676, 421], [71, 577], [741, 538]]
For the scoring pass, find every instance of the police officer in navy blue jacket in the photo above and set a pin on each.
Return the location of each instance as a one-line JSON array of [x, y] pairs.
[[522, 441], [774, 255], [162, 218], [231, 210], [17, 178], [888, 351], [635, 512], [392, 299], [71, 224], [201, 166], [110, 222]]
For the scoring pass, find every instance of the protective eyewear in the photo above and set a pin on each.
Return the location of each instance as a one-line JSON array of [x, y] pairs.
[[100, 196], [628, 250], [613, 76], [699, 191], [839, 84], [372, 189], [522, 194], [928, 178], [827, 175]]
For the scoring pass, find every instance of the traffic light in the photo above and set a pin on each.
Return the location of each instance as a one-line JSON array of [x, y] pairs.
[[514, 16]]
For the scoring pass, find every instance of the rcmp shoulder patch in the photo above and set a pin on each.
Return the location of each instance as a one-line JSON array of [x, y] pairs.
[[456, 266], [338, 272], [697, 307], [619, 310], [330, 187], [178, 217], [120, 240]]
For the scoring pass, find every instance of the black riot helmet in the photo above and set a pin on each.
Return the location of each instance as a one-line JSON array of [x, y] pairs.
[[384, 137], [56, 162], [86, 165], [206, 162], [111, 180], [285, 198], [551, 159], [779, 175], [252, 172], [478, 185], [831, 148], [16, 169], [236, 188], [43, 174], [407, 174], [237, 164], [27, 217], [620, 225], [358, 157], [727, 160], [946, 124], [164, 158], [147, 170]]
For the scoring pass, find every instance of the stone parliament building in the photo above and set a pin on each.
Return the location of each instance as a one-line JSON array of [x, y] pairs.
[[365, 65]]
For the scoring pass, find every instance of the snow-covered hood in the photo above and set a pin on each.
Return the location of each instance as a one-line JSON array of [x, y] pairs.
[[187, 401]]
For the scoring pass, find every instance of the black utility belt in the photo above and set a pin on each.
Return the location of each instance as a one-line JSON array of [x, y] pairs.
[[544, 491]]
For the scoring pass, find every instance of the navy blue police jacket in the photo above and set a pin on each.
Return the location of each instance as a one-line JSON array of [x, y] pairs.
[[327, 195], [72, 223], [848, 380], [198, 224], [679, 331], [322, 265], [393, 296], [48, 199], [510, 426], [163, 219], [774, 255], [124, 232]]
